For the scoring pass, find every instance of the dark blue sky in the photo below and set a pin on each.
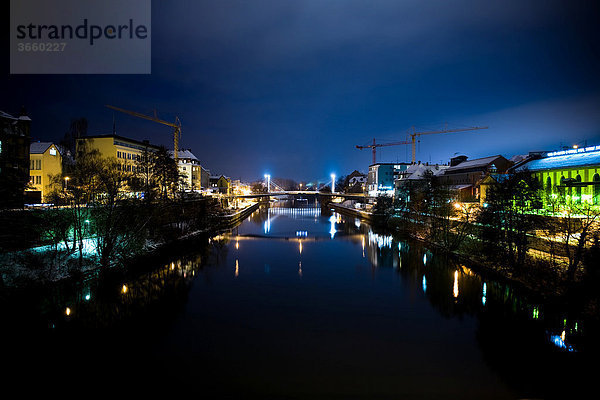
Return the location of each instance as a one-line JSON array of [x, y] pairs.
[[290, 87]]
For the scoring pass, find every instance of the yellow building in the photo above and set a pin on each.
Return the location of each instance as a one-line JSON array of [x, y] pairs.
[[126, 151], [45, 161], [220, 184]]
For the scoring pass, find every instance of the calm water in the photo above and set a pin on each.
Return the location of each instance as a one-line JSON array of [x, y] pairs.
[[297, 303]]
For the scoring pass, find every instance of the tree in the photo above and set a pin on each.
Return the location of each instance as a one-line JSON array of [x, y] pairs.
[[510, 216], [165, 172], [575, 229]]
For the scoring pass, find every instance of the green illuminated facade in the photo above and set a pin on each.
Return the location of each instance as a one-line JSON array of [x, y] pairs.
[[572, 176]]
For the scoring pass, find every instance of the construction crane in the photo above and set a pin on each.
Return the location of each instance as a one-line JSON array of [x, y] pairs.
[[413, 139], [175, 125], [374, 147]]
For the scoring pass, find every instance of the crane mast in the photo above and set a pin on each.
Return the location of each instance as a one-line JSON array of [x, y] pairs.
[[175, 125]]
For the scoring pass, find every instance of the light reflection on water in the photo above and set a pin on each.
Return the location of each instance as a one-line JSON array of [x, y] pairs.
[[369, 278]]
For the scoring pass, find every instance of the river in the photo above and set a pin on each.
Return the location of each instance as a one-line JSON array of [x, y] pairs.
[[297, 303]]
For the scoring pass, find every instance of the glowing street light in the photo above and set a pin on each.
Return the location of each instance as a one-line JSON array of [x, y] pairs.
[[66, 182], [332, 183], [268, 178]]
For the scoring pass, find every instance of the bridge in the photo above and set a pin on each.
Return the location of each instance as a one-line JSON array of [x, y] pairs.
[[352, 196]]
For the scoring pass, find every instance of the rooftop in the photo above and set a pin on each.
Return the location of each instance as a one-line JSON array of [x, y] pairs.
[[476, 163], [416, 171], [39, 147], [122, 138], [565, 161], [184, 154]]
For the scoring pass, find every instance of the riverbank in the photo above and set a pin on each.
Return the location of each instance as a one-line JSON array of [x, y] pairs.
[[53, 264], [534, 279]]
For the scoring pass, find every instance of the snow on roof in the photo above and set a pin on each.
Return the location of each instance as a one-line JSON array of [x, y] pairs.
[[478, 162], [566, 161], [6, 115], [39, 147], [416, 171], [184, 154]]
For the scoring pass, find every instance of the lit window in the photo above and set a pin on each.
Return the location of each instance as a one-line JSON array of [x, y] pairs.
[[53, 151]]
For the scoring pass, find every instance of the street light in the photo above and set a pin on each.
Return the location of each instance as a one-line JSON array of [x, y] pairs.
[[332, 183], [66, 182], [268, 178]]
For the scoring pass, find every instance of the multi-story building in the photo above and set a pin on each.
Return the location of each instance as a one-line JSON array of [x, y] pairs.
[[465, 176], [14, 158], [381, 178], [572, 175], [190, 170], [126, 151], [204, 178], [45, 171], [220, 184]]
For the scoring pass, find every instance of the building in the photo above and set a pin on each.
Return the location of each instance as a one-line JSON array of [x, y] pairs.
[[44, 170], [382, 176], [573, 175], [416, 173], [220, 184], [126, 151], [14, 158], [204, 178], [189, 169], [357, 178], [465, 176]]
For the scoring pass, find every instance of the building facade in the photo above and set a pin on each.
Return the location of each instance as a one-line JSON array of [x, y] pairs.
[[14, 158], [126, 151], [220, 184], [382, 176], [45, 170], [572, 176], [190, 170], [464, 176]]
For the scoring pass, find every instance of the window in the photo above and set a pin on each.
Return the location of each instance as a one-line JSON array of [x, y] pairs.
[[32, 164], [118, 154], [38, 164], [578, 190], [53, 151], [38, 180]]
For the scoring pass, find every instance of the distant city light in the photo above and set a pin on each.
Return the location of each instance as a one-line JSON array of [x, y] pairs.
[[332, 183]]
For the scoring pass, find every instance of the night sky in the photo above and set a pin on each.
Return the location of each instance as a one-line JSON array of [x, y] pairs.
[[290, 87]]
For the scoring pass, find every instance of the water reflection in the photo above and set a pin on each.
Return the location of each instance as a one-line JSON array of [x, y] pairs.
[[305, 268]]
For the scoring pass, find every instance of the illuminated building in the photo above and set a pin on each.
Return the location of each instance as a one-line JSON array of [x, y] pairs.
[[127, 151], [45, 162], [465, 176], [381, 178], [220, 184], [571, 175], [190, 170]]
